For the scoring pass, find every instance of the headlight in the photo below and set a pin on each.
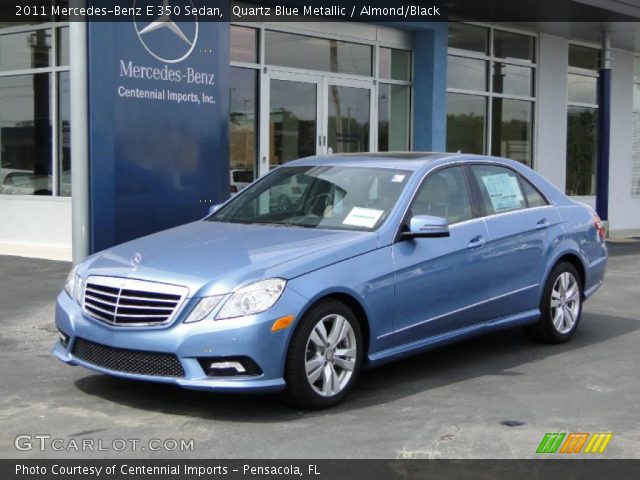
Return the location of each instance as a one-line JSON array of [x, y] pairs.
[[70, 282], [79, 289], [203, 308], [254, 298]]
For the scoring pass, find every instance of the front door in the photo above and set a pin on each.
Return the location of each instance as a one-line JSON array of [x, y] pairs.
[[442, 284]]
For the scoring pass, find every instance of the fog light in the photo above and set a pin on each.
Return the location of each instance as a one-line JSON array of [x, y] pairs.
[[229, 366], [64, 338]]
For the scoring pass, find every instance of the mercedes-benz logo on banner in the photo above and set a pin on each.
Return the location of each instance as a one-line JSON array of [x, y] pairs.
[[164, 39]]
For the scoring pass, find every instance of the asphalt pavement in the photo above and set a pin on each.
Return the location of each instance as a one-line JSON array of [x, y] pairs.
[[494, 396]]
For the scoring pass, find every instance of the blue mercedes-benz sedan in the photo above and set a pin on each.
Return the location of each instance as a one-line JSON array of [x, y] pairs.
[[331, 264]]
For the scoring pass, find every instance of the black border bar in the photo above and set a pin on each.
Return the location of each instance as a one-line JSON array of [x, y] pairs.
[[543, 469], [397, 11]]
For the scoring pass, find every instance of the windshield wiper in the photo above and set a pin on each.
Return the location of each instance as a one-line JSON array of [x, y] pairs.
[[272, 224]]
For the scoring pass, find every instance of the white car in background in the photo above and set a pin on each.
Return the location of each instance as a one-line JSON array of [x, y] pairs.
[[25, 182], [238, 179]]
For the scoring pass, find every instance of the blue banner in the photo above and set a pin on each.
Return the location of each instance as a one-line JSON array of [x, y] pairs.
[[158, 120]]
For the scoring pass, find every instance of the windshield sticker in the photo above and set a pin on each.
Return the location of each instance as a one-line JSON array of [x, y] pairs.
[[363, 217], [397, 178], [504, 191]]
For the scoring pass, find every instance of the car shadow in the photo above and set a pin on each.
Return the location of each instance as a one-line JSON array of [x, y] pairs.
[[497, 354]]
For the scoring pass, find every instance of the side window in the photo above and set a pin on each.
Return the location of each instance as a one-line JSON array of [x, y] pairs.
[[499, 188], [534, 199], [444, 194]]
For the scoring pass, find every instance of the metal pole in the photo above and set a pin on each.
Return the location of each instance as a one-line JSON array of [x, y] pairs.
[[79, 139], [604, 130]]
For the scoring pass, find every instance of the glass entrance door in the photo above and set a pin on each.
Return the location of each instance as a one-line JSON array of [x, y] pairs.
[[293, 114], [348, 122], [305, 115]]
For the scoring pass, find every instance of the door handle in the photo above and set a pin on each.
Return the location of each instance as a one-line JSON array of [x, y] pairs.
[[544, 223], [476, 242]]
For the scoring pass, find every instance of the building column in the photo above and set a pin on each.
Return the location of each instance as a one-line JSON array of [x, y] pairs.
[[79, 141], [551, 109], [430, 88], [604, 124]]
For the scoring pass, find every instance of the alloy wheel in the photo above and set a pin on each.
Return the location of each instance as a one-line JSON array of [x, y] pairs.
[[330, 356], [565, 302]]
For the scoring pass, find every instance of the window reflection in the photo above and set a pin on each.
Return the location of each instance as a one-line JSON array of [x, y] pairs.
[[244, 44], [243, 125], [583, 57], [511, 128], [292, 121], [393, 117], [64, 135], [582, 129], [512, 79], [513, 45], [582, 88], [313, 53], [349, 110], [31, 49], [468, 37], [63, 46], [467, 73], [25, 135], [466, 123], [394, 64]]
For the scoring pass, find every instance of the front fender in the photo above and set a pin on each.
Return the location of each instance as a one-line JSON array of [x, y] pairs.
[[368, 279]]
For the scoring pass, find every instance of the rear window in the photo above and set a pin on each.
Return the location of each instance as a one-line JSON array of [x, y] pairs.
[[534, 198]]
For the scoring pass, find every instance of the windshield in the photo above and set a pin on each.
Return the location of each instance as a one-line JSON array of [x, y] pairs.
[[330, 197]]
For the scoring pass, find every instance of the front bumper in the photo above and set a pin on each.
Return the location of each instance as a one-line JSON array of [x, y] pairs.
[[249, 336]]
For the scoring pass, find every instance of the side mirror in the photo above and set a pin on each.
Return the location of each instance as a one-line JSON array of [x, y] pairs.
[[422, 226], [214, 208]]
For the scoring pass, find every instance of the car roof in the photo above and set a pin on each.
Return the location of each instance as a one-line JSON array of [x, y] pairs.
[[399, 160]]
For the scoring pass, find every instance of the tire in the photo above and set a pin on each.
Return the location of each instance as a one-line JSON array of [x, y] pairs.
[[331, 371], [558, 322]]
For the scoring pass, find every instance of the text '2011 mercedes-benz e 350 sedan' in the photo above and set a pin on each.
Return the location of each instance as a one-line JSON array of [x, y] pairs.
[[370, 258]]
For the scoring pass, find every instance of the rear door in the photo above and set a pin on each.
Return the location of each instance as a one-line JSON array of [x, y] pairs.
[[442, 284], [521, 225]]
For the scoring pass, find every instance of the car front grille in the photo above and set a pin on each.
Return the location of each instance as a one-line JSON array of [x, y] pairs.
[[129, 302], [128, 361]]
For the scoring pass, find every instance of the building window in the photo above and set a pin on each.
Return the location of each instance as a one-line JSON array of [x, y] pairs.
[[243, 121], [490, 92], [635, 162], [394, 99], [244, 44], [35, 125], [312, 53], [243, 105], [582, 120], [323, 95]]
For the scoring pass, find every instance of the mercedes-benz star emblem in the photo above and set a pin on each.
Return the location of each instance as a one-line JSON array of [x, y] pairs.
[[136, 260], [187, 41]]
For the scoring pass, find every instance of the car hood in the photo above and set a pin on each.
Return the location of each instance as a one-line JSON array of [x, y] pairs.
[[211, 258]]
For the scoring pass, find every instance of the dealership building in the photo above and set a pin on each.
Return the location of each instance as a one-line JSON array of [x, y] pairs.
[[113, 130]]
